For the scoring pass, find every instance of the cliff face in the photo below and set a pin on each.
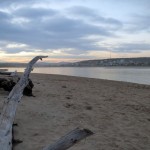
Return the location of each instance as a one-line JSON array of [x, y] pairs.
[[113, 62]]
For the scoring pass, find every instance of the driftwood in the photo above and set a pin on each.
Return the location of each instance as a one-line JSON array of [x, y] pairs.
[[9, 79], [69, 139], [9, 110], [8, 83], [10, 106]]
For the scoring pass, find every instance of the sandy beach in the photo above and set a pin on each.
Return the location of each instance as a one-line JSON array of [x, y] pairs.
[[117, 112]]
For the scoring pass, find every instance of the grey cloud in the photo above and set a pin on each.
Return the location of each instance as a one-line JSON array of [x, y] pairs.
[[90, 13], [4, 16], [3, 43], [132, 47], [56, 32], [138, 23], [4, 46], [74, 57], [142, 23], [75, 27], [33, 13], [4, 20], [10, 3], [13, 51], [83, 11]]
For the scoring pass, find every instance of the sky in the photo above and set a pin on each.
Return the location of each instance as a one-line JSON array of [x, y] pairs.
[[74, 30]]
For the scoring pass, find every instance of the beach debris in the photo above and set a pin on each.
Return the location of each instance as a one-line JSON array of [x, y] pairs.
[[88, 107], [8, 84], [70, 139], [64, 86], [10, 79], [68, 97], [28, 89], [15, 124], [68, 105]]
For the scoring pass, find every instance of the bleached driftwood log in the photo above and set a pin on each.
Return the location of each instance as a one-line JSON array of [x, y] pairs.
[[69, 139], [10, 106], [13, 75]]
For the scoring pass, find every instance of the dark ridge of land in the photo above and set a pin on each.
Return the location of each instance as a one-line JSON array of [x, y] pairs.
[[143, 61]]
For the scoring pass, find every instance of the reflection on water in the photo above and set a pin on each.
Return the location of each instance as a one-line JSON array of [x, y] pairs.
[[131, 74]]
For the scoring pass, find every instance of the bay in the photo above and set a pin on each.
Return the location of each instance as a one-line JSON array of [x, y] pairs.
[[139, 75]]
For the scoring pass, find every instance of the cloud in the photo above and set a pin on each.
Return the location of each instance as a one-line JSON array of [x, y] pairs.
[[132, 47], [34, 13], [140, 23], [55, 31], [85, 12], [4, 16], [46, 28]]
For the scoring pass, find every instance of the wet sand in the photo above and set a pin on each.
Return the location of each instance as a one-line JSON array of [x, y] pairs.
[[117, 112]]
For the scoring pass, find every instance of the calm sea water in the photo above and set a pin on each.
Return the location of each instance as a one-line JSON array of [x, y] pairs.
[[128, 74]]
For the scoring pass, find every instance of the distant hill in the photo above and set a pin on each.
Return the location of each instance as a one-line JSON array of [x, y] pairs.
[[12, 64], [143, 61]]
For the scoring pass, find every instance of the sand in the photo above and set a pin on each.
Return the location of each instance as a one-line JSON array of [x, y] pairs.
[[117, 112]]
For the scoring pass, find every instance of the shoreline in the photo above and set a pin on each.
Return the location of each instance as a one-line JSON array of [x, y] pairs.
[[117, 112], [90, 78], [140, 76]]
